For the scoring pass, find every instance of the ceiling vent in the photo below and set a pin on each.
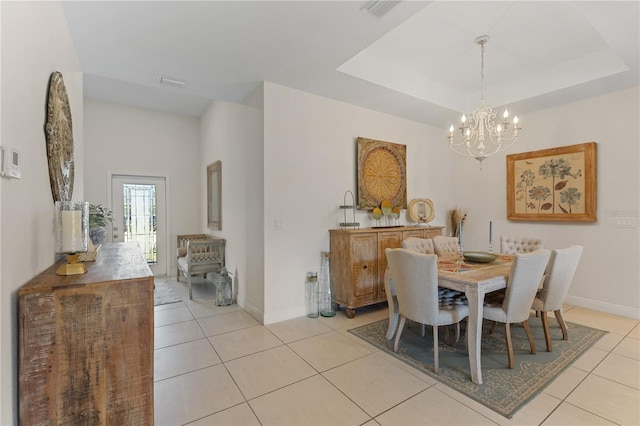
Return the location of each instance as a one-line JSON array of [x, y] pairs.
[[379, 8], [171, 82]]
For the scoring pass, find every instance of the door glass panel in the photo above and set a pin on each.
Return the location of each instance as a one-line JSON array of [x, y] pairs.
[[139, 202]]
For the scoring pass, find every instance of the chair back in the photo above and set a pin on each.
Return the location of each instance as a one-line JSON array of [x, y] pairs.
[[524, 279], [420, 245], [445, 246], [514, 245], [558, 276], [415, 277]]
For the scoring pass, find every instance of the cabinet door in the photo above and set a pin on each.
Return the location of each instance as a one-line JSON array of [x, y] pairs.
[[364, 268], [385, 240], [416, 233], [432, 232]]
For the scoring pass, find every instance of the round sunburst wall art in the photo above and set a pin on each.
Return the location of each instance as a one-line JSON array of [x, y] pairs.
[[59, 133], [381, 174]]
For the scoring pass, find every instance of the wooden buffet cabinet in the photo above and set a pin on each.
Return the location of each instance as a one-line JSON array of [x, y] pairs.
[[85, 343], [358, 262]]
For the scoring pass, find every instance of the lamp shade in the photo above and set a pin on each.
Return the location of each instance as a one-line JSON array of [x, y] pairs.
[[72, 226]]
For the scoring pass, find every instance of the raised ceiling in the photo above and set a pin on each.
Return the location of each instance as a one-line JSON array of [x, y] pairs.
[[418, 61]]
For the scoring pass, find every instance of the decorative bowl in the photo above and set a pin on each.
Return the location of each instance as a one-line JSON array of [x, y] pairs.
[[479, 256]]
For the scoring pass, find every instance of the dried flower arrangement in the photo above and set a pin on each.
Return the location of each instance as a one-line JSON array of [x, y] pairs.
[[457, 216]]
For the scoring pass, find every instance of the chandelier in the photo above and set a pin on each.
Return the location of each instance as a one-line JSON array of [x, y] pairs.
[[481, 135]]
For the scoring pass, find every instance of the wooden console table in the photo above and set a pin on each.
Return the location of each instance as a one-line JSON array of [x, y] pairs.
[[85, 343], [358, 261]]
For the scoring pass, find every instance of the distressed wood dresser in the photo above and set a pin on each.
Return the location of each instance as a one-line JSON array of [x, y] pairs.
[[358, 261], [85, 343]]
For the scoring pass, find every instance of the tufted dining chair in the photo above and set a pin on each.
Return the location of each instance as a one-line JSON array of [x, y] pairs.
[[420, 245], [445, 246], [513, 245], [415, 276], [558, 276], [524, 278], [425, 246]]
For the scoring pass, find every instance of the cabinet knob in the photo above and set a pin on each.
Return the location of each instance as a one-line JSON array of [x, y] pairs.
[[364, 267]]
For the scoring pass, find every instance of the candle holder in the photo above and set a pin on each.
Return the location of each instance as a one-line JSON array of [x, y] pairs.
[[72, 234]]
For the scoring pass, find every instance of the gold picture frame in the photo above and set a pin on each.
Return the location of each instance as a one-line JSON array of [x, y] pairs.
[[421, 210], [382, 173], [556, 184], [214, 195]]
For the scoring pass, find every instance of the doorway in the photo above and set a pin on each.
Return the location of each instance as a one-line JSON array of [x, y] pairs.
[[139, 214]]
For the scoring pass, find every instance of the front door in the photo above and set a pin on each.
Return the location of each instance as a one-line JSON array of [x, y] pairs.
[[139, 214]]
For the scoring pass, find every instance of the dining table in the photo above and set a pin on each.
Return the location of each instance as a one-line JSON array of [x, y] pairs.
[[475, 280]]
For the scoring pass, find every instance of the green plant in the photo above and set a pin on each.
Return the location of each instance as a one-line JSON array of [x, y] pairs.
[[99, 216]]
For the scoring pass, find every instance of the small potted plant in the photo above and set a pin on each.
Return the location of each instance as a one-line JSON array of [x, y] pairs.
[[99, 218]]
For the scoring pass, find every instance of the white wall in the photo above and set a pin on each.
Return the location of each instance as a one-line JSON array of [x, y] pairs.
[[126, 140], [232, 133], [35, 42], [607, 278], [309, 163]]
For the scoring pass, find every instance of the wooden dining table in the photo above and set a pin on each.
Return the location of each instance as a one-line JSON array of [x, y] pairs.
[[475, 280]]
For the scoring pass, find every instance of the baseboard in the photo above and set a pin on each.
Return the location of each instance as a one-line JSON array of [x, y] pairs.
[[251, 309], [605, 307]]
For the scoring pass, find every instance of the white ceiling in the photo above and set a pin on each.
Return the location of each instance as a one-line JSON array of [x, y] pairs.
[[419, 61]]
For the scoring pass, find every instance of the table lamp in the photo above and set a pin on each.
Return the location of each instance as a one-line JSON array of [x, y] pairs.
[[72, 234]]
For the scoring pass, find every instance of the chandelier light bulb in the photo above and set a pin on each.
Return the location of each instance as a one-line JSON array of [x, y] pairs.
[[483, 135]]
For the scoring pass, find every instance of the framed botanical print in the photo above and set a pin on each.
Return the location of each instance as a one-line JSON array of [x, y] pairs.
[[556, 184], [382, 174]]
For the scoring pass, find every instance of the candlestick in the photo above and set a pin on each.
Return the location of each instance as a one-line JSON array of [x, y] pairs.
[[459, 232], [490, 229]]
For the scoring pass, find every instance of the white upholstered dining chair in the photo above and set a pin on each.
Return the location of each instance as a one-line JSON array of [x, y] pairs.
[[445, 246], [420, 245], [513, 245], [558, 276], [524, 279], [425, 246], [415, 276]]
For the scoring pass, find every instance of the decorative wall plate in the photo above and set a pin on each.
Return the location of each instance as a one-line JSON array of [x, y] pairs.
[[421, 210], [59, 133], [382, 174]]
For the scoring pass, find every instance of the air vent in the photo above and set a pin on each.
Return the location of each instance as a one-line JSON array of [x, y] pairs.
[[379, 8], [171, 82]]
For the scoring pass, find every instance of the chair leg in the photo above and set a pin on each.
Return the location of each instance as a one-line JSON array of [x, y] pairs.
[[527, 330], [189, 286], [436, 367], [456, 336], [545, 328], [446, 334], [563, 325], [398, 333], [507, 335], [393, 318]]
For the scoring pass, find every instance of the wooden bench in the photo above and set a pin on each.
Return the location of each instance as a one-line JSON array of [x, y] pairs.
[[199, 254]]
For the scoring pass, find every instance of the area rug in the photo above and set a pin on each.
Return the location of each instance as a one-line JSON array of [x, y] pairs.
[[504, 390], [164, 292]]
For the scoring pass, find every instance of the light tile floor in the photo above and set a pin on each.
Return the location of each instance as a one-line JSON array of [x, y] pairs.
[[219, 366]]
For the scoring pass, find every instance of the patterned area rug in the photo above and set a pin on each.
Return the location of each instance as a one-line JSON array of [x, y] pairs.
[[504, 391], [164, 292]]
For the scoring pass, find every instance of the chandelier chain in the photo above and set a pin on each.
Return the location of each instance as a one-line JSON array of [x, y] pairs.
[[482, 73]]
